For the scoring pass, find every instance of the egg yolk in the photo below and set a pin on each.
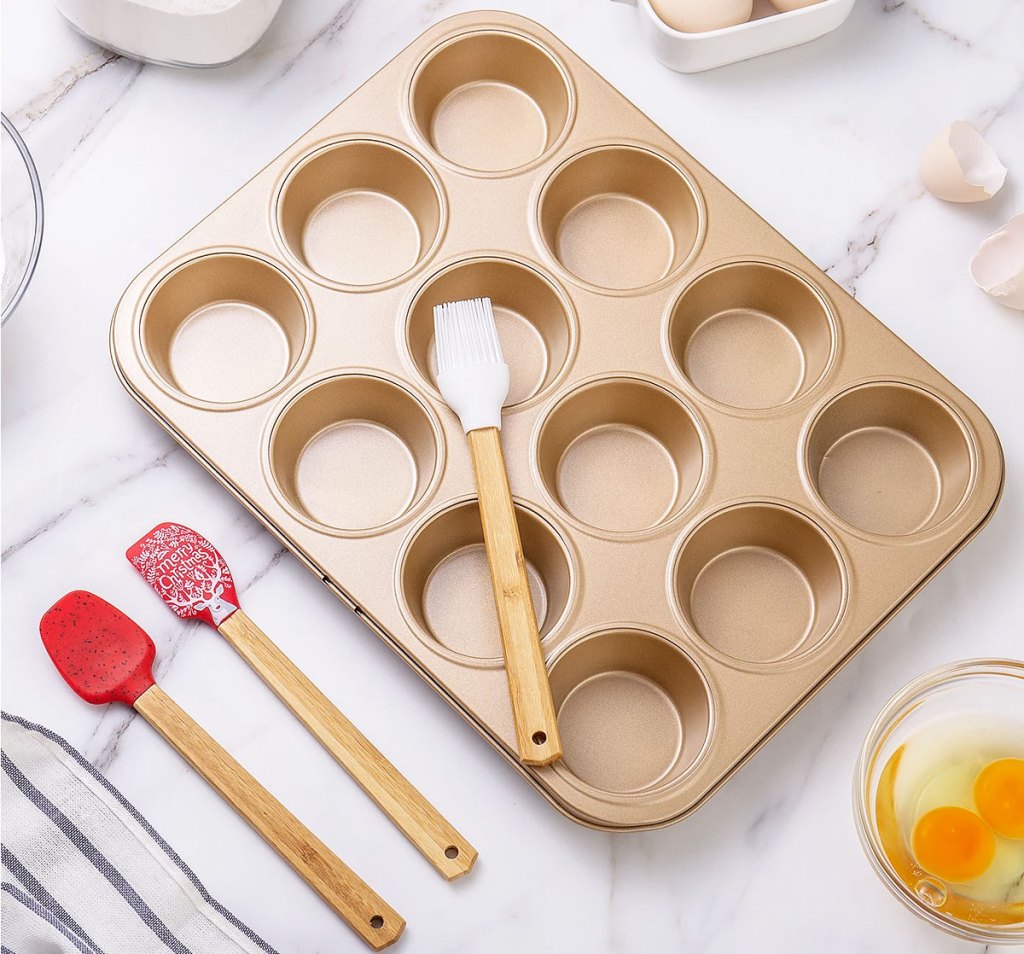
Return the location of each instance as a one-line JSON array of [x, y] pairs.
[[999, 796], [953, 844]]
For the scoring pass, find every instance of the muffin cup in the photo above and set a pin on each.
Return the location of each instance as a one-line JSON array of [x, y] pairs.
[[752, 335], [620, 455], [634, 711], [759, 583], [620, 218], [359, 213], [445, 584], [491, 102], [225, 329], [889, 459], [536, 324], [354, 454]]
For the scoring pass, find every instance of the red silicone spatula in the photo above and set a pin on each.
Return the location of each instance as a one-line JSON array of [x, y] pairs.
[[105, 657], [192, 578]]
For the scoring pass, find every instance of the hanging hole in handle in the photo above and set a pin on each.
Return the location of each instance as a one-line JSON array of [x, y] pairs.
[[451, 852], [539, 738], [376, 922]]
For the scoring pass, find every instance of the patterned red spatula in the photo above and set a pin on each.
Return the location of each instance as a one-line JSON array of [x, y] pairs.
[[106, 657], [193, 579]]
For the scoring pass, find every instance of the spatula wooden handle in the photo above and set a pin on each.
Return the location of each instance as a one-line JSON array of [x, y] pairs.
[[532, 708], [421, 823], [375, 921]]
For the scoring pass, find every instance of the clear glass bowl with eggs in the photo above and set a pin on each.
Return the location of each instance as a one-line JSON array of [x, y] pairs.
[[939, 799]]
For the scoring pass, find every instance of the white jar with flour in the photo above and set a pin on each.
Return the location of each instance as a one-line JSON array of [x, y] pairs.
[[173, 32]]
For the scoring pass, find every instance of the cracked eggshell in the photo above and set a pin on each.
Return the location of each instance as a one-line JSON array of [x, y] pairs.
[[784, 6], [998, 266], [959, 166], [700, 16]]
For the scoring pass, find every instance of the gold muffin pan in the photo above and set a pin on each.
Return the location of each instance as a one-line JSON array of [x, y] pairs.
[[728, 474]]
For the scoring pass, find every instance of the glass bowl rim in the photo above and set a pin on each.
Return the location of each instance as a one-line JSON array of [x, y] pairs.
[[37, 227]]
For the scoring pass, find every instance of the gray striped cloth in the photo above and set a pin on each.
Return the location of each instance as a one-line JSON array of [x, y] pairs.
[[85, 873]]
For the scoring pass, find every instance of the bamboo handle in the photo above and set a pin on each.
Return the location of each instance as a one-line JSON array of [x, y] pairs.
[[532, 708], [421, 823], [375, 921]]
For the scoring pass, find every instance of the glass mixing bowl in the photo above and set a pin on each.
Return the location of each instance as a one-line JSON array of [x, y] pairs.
[[21, 217], [976, 689]]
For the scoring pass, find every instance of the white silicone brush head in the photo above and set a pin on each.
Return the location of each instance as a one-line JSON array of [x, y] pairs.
[[471, 372]]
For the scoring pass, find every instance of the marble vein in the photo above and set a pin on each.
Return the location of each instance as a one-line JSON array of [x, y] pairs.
[[863, 249], [91, 499], [325, 36], [41, 105], [893, 6]]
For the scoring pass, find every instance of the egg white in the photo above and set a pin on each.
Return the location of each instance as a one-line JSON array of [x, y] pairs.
[[939, 766]]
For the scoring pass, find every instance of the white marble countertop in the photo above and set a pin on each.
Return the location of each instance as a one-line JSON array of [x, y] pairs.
[[823, 140]]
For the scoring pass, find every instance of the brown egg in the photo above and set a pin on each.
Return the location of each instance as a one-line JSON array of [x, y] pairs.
[[784, 6], [699, 16]]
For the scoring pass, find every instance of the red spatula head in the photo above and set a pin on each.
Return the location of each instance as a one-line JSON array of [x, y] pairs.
[[102, 654], [187, 571]]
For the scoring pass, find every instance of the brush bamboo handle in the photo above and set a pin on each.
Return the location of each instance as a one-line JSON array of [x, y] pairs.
[[376, 922], [421, 823], [532, 708]]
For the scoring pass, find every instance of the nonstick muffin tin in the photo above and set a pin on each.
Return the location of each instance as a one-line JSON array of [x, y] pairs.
[[728, 474]]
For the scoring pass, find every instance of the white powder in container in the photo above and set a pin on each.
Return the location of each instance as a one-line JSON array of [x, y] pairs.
[[173, 32]]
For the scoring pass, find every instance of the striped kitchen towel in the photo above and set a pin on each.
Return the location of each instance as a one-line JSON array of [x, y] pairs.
[[85, 873]]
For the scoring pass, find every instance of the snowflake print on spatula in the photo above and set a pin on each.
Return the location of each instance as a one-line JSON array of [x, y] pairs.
[[187, 571]]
